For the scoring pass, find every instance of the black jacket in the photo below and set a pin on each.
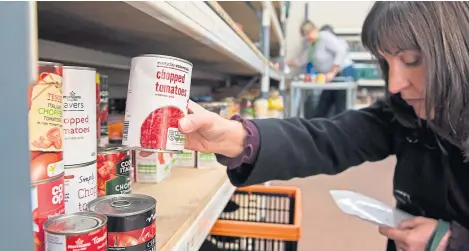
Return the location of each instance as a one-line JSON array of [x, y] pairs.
[[431, 178]]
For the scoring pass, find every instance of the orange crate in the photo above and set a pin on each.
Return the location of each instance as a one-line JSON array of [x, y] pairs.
[[267, 218]]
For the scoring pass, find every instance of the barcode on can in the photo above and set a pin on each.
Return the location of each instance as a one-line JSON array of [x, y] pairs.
[[126, 130]]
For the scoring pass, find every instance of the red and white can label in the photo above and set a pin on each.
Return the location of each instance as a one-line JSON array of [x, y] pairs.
[[93, 241], [79, 115], [157, 98], [80, 187], [47, 201]]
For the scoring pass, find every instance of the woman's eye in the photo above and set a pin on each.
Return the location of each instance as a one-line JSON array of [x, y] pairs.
[[411, 60]]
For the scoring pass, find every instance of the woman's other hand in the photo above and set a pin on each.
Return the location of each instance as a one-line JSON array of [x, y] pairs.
[[208, 132], [413, 234]]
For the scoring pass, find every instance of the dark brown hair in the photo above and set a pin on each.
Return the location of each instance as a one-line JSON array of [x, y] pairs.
[[440, 32]]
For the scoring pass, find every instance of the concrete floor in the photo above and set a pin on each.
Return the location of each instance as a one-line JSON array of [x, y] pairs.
[[325, 227]]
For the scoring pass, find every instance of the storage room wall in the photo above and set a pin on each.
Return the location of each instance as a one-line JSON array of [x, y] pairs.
[[339, 14]]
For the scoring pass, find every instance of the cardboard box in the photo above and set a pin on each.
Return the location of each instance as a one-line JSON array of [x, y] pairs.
[[153, 168]]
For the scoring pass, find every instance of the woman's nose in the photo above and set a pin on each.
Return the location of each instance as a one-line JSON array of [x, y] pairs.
[[397, 82]]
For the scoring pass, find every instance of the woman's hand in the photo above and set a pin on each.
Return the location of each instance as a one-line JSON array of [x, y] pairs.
[[210, 133], [413, 234]]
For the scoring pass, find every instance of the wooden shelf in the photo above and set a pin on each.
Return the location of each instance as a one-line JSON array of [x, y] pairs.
[[188, 204]]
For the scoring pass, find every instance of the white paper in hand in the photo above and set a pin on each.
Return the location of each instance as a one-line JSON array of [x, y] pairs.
[[369, 209]]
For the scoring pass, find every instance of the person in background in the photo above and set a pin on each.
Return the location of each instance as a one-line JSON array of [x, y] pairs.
[[423, 121], [329, 55]]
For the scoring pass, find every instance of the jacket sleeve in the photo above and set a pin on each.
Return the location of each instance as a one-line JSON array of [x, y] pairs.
[[459, 239], [297, 147]]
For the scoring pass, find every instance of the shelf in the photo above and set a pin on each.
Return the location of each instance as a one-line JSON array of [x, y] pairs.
[[371, 83], [189, 30], [249, 15], [188, 204], [361, 56], [360, 106]]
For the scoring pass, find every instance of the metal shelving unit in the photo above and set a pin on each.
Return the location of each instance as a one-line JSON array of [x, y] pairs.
[[106, 35]]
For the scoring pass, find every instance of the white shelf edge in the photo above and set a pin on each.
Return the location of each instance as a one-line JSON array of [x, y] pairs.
[[199, 21], [275, 22], [196, 234], [371, 82]]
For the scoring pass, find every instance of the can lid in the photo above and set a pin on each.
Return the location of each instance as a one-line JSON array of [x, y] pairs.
[[75, 223], [166, 56], [83, 68], [112, 149], [120, 205]]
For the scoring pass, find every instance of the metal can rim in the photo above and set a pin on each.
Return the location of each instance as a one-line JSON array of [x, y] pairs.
[[89, 163], [79, 67], [40, 182], [143, 196], [112, 149], [102, 217], [48, 63], [164, 56]]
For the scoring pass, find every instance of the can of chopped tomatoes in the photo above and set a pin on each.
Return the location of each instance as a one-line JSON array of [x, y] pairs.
[[131, 221], [80, 186], [157, 98], [45, 109], [47, 199], [114, 171], [76, 232], [79, 119]]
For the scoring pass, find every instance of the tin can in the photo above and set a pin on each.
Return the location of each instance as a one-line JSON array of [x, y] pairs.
[[104, 111], [76, 232], [47, 199], [114, 168], [98, 107], [79, 120], [45, 109], [80, 186], [157, 98], [131, 221]]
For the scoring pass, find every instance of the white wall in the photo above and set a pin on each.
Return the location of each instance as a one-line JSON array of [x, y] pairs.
[[339, 14]]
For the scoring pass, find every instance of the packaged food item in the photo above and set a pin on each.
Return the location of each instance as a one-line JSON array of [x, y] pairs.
[[80, 187], [157, 98], [131, 221], [261, 108], [205, 160], [76, 232], [79, 119], [104, 111], [187, 158], [45, 109], [47, 198], [114, 169], [153, 167], [369, 209]]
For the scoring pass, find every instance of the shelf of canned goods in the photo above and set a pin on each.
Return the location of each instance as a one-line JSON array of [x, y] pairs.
[[95, 42]]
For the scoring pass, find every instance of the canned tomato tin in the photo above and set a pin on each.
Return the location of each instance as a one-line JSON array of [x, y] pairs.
[[79, 122], [80, 186], [104, 111], [47, 199], [114, 169], [131, 221], [76, 232], [157, 98], [45, 109]]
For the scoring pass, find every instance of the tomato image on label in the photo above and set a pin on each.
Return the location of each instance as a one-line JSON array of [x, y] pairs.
[[45, 165], [159, 130], [114, 170]]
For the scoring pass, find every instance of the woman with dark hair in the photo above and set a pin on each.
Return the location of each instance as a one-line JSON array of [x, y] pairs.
[[422, 48]]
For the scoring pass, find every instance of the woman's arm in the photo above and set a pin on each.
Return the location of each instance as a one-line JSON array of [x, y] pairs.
[[294, 147]]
